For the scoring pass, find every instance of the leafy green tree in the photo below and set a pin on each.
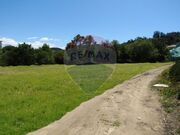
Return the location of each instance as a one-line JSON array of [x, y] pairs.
[[21, 55], [158, 34], [121, 51], [9, 56], [172, 38], [44, 55], [25, 54], [123, 54], [116, 45], [161, 45], [59, 57], [141, 50]]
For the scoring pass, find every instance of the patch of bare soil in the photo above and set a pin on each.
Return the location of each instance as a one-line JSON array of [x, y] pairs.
[[172, 122]]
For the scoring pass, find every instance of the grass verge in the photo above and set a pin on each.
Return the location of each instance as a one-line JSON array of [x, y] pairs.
[[170, 99]]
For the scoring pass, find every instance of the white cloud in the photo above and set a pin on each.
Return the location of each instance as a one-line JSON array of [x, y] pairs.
[[44, 39], [32, 38], [8, 41], [36, 42], [48, 39]]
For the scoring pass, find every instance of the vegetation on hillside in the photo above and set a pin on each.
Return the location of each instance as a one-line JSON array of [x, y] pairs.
[[144, 49], [174, 73], [25, 54], [139, 50]]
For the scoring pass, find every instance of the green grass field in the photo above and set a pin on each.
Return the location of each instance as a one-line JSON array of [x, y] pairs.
[[33, 96]]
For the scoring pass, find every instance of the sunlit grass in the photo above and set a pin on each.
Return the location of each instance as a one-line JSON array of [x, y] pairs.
[[34, 96], [90, 77]]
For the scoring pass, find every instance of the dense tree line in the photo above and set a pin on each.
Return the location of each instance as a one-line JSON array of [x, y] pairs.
[[24, 54], [141, 49], [144, 49]]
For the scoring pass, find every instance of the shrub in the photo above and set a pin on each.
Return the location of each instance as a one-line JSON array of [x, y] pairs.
[[174, 73]]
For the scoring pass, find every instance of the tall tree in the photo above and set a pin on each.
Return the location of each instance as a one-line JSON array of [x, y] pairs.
[[158, 34], [44, 55], [25, 54], [9, 56], [141, 50]]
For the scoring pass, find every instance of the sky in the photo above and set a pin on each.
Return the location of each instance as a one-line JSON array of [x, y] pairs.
[[56, 22]]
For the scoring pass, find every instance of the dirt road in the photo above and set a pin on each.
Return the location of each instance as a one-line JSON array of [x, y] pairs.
[[130, 108]]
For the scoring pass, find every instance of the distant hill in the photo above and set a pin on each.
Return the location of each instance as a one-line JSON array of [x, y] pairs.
[[56, 49]]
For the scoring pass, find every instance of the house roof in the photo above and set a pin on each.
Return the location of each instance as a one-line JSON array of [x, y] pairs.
[[171, 46]]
